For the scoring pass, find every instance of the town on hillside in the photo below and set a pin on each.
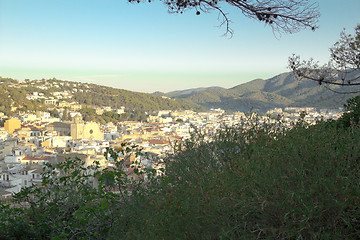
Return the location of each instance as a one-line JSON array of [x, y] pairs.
[[29, 139]]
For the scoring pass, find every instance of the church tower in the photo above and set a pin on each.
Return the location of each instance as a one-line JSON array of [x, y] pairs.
[[77, 127]]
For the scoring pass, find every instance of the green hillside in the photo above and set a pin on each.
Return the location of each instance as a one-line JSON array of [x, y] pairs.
[[107, 96], [280, 91], [13, 94], [257, 95]]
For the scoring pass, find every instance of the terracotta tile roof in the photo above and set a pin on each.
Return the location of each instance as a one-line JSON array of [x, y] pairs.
[[158, 141], [36, 158]]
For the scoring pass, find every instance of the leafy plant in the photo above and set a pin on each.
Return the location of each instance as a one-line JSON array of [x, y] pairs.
[[352, 114]]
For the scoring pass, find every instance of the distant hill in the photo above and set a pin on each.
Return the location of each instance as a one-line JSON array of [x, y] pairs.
[[13, 93], [190, 91], [261, 95], [107, 96], [257, 95]]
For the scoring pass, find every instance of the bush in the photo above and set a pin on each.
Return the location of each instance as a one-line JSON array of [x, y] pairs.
[[260, 184], [352, 114], [245, 182]]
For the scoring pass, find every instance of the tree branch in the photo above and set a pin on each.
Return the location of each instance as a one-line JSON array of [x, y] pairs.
[[284, 16], [343, 68]]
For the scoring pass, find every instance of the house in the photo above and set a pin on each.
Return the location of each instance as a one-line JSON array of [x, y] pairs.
[[29, 160], [3, 134], [15, 177], [51, 101], [12, 124], [75, 106], [57, 142]]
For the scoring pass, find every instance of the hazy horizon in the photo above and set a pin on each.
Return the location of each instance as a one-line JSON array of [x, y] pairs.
[[207, 80], [140, 47]]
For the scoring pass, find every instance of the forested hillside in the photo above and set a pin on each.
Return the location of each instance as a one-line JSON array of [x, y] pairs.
[[107, 96], [13, 93], [11, 96]]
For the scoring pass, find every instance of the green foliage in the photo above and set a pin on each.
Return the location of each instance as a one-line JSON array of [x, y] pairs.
[[74, 201], [53, 112], [247, 185], [252, 181], [66, 115], [89, 114], [13, 96], [136, 101], [67, 205], [352, 114]]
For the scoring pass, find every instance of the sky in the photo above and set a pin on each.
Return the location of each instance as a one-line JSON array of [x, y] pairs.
[[143, 48]]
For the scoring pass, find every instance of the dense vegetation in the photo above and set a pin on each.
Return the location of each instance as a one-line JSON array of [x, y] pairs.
[[15, 97], [107, 96], [247, 182]]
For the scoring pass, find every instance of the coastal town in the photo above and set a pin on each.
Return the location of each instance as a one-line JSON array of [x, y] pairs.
[[28, 140]]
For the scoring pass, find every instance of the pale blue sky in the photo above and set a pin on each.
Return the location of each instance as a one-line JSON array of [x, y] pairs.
[[141, 47]]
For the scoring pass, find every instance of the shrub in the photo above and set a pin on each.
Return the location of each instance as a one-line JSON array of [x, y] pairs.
[[246, 182], [352, 114], [264, 183]]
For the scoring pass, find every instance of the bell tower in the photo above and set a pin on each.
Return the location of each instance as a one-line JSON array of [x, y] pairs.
[[77, 127]]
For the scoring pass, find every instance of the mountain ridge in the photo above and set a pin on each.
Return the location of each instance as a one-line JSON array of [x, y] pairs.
[[282, 90], [261, 95]]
